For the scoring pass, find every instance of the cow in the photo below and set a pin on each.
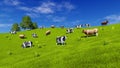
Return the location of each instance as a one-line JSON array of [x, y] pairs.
[[22, 36], [13, 32], [60, 40], [79, 26], [34, 35], [52, 26], [70, 30], [89, 32], [27, 44], [105, 22], [87, 25], [48, 32]]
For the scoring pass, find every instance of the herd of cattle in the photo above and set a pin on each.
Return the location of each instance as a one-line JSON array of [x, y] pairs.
[[60, 40]]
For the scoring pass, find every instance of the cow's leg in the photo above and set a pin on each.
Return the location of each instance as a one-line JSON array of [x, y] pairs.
[[30, 44], [96, 34], [61, 42], [57, 43], [24, 46], [86, 36]]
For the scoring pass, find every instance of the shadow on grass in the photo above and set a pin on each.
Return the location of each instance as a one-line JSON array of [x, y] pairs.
[[88, 36], [24, 38]]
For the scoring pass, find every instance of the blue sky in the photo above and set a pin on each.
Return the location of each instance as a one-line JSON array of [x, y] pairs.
[[58, 12]]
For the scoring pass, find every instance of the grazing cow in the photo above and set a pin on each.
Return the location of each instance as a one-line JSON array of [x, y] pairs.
[[79, 26], [34, 35], [48, 32], [52, 26], [22, 36], [13, 32], [87, 25], [105, 22], [60, 40], [27, 44], [91, 32], [70, 30]]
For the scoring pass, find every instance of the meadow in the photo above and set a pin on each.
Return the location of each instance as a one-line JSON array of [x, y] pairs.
[[102, 51]]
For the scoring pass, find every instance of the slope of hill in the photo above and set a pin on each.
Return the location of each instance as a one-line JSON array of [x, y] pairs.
[[80, 52]]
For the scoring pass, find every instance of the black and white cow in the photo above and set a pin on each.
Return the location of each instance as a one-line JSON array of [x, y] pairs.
[[70, 30], [79, 26], [60, 40], [87, 25], [34, 35], [27, 44], [13, 32]]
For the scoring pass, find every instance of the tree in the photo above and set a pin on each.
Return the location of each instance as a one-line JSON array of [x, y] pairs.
[[15, 27], [34, 25], [26, 23]]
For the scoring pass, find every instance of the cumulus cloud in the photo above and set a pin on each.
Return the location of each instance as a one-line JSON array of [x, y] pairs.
[[48, 7], [33, 15], [45, 7], [113, 18], [68, 6], [12, 2], [25, 8], [5, 25]]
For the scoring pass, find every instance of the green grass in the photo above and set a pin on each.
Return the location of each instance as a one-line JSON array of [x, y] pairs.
[[92, 52]]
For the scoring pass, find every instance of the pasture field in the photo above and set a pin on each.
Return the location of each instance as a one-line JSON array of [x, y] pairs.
[[102, 51]]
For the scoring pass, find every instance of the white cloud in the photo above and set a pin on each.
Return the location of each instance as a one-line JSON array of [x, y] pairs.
[[48, 7], [113, 18], [68, 6], [44, 10], [5, 25], [12, 2], [24, 8], [33, 15]]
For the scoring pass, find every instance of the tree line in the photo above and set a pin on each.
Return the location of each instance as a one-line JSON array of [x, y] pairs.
[[25, 24]]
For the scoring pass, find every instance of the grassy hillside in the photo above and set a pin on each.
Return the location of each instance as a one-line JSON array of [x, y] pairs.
[[80, 52]]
